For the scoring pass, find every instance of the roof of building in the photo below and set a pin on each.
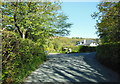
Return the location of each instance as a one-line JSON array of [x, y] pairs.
[[87, 42]]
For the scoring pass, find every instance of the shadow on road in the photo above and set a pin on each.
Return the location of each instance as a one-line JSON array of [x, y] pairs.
[[76, 67]]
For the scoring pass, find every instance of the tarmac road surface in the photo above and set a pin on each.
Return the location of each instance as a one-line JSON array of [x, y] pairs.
[[75, 67]]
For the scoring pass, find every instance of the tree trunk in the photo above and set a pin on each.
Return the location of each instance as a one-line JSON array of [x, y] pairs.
[[15, 20], [24, 34]]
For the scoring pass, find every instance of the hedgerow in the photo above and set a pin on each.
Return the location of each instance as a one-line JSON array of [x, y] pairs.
[[109, 55], [82, 48], [87, 49], [19, 57]]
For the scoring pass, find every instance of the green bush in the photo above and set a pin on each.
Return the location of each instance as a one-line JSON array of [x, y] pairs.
[[109, 55], [19, 57], [87, 49], [76, 49]]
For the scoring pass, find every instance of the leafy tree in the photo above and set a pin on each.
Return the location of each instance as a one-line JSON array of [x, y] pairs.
[[108, 21], [34, 20]]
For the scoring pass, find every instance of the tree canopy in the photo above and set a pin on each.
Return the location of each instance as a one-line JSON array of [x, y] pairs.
[[35, 20], [108, 21]]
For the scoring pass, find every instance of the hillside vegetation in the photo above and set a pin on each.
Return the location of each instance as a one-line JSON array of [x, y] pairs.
[[56, 44]]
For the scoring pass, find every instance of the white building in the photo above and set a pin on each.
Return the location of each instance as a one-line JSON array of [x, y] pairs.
[[93, 44], [87, 43]]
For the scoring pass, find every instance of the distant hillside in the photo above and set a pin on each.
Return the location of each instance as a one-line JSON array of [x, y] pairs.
[[55, 44]]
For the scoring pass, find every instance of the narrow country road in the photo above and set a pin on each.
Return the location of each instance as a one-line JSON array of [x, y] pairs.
[[76, 67]]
